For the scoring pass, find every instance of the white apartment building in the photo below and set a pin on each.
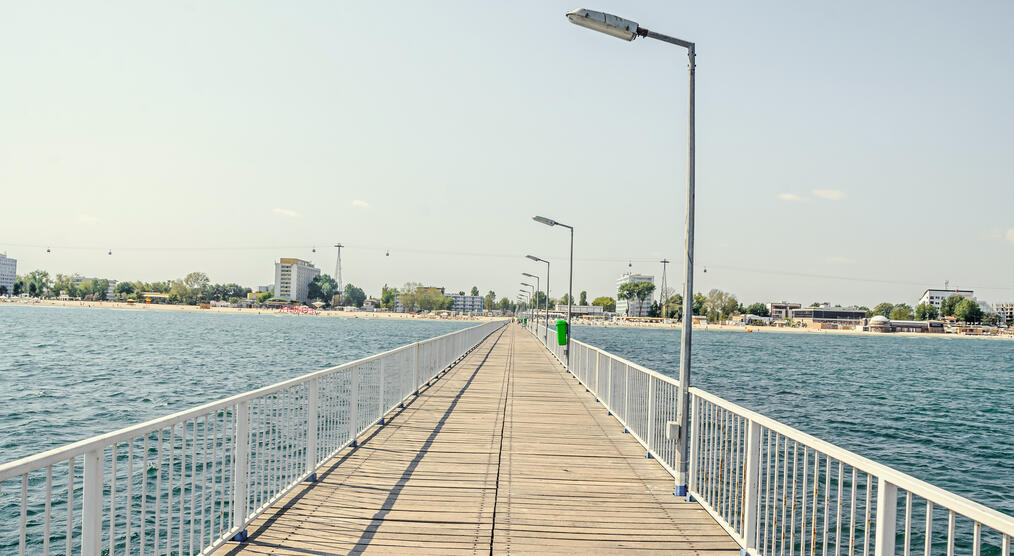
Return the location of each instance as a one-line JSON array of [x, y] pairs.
[[937, 297], [293, 277], [1005, 311], [8, 273], [466, 303], [637, 308]]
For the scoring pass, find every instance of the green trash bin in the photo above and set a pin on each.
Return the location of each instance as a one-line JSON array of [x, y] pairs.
[[561, 332]]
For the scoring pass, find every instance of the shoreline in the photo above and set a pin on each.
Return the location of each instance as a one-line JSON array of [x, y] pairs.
[[406, 316], [232, 310]]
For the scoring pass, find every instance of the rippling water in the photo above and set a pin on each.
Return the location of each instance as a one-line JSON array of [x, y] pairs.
[[940, 409], [69, 373]]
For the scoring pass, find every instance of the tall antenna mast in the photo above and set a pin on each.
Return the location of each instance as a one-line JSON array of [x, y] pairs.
[[664, 291], [338, 270]]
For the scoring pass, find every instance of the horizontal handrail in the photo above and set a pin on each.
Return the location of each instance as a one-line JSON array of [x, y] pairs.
[[968, 508], [62, 453]]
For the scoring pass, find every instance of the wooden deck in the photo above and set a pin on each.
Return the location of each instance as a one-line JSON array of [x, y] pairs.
[[505, 453]]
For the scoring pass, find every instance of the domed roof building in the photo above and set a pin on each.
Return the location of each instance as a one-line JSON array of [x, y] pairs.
[[880, 323]]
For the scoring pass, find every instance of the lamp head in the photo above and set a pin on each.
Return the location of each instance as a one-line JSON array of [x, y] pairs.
[[536, 259], [604, 23], [529, 275], [544, 220]]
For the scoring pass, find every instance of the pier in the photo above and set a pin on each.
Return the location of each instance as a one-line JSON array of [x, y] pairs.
[[477, 441], [505, 453]]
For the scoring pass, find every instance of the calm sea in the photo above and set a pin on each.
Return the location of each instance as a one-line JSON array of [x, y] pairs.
[[941, 409]]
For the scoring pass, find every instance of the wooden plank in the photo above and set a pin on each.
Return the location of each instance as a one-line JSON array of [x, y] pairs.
[[504, 452]]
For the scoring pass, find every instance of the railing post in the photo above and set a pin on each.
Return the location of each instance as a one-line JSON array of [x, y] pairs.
[[354, 408], [887, 508], [651, 416], [751, 488], [312, 409], [239, 471], [418, 347], [380, 402], [694, 437], [91, 506]]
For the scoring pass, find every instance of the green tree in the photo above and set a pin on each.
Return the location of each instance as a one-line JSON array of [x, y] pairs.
[[64, 283], [489, 302], [608, 304], [86, 289], [354, 295], [565, 299], [18, 287], [37, 282], [582, 298], [322, 288], [926, 311], [759, 309], [991, 319], [102, 289], [409, 296], [948, 305], [869, 312], [699, 301], [815, 304], [475, 290], [901, 311], [883, 309], [264, 296], [3, 291], [968, 311], [430, 299], [504, 304], [720, 305], [387, 297], [635, 290], [123, 289]]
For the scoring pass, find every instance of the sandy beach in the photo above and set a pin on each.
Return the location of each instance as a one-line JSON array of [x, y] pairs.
[[408, 316]]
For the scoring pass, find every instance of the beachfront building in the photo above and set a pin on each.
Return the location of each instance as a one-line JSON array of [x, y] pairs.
[[1005, 312], [880, 323], [937, 297], [637, 308], [588, 311], [77, 279], [8, 273], [781, 310], [293, 277], [466, 303], [827, 315]]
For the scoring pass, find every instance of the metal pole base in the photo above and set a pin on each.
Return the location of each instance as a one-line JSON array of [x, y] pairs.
[[240, 537], [680, 490], [312, 478]]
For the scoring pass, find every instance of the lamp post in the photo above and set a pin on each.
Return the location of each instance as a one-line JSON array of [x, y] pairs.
[[531, 296], [535, 300], [628, 31], [570, 285], [538, 260]]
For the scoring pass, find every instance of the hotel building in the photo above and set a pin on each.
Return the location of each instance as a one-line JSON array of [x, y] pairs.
[[8, 273], [293, 277], [637, 308]]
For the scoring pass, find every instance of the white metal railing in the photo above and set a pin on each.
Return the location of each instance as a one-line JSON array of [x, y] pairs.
[[777, 490], [189, 482]]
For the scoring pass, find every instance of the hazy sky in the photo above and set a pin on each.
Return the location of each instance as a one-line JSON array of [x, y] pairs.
[[871, 142]]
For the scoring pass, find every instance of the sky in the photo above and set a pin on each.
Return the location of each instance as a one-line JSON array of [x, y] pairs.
[[852, 153]]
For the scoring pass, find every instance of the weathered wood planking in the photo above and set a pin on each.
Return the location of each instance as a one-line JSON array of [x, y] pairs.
[[505, 453]]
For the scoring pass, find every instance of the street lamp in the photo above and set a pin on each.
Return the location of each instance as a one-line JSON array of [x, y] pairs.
[[570, 286], [529, 293], [535, 299], [629, 30], [538, 260]]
